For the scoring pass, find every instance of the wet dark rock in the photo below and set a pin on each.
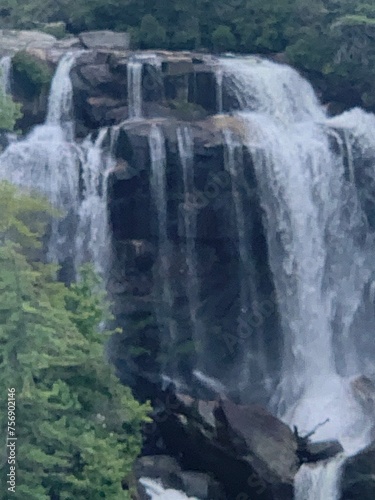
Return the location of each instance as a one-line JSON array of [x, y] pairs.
[[321, 451], [247, 449], [358, 478], [167, 470]]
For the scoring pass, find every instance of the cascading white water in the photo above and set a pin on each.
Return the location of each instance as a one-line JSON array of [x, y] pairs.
[[219, 90], [48, 162], [135, 69], [60, 100], [159, 196], [157, 492], [318, 251], [319, 481], [93, 237], [5, 71], [185, 143], [254, 358], [136, 82]]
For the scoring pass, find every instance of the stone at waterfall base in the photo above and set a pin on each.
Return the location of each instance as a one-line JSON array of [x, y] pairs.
[[245, 448], [167, 471], [358, 479]]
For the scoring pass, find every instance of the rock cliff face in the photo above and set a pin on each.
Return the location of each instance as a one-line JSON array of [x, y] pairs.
[[188, 303], [178, 95]]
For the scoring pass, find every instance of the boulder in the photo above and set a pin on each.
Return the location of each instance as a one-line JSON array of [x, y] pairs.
[[248, 450], [363, 389], [105, 40], [166, 471], [358, 478], [264, 441], [12, 41], [322, 451]]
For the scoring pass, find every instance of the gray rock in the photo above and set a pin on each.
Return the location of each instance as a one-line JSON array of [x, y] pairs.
[[264, 441], [105, 40], [358, 478], [12, 41], [323, 450], [167, 470]]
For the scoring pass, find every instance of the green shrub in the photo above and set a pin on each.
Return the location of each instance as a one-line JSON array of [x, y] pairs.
[[223, 39], [151, 34], [34, 74], [10, 112], [57, 30]]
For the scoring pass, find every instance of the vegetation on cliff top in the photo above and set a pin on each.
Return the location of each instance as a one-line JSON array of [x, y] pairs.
[[78, 429], [328, 37]]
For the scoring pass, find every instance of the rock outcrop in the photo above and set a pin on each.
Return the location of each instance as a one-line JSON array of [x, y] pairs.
[[105, 40], [358, 479], [249, 451], [168, 472]]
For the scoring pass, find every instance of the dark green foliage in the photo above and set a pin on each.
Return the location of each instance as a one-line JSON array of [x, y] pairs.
[[151, 33], [34, 74], [57, 30], [10, 112], [78, 429], [223, 39], [325, 37]]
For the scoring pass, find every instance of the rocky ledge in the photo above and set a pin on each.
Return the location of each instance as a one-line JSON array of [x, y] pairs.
[[182, 85], [220, 450]]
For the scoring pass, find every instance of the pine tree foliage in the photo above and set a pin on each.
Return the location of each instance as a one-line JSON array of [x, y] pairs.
[[78, 429]]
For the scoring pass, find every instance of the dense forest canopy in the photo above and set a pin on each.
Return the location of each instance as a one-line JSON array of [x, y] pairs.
[[242, 25], [332, 38]]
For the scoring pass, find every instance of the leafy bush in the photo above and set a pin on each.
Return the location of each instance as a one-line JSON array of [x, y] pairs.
[[34, 74], [10, 112], [151, 33], [223, 39], [57, 30]]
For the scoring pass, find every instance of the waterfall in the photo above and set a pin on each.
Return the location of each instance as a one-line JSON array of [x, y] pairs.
[[5, 71], [252, 339], [159, 196], [135, 69], [156, 491], [319, 481], [47, 162], [186, 152], [219, 90], [320, 254], [93, 241], [273, 89], [60, 101]]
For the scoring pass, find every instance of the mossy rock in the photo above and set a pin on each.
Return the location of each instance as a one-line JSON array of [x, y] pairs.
[[58, 29], [33, 74], [187, 111]]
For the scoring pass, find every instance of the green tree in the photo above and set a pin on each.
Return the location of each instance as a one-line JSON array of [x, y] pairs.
[[151, 33], [223, 39], [78, 429], [10, 112]]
